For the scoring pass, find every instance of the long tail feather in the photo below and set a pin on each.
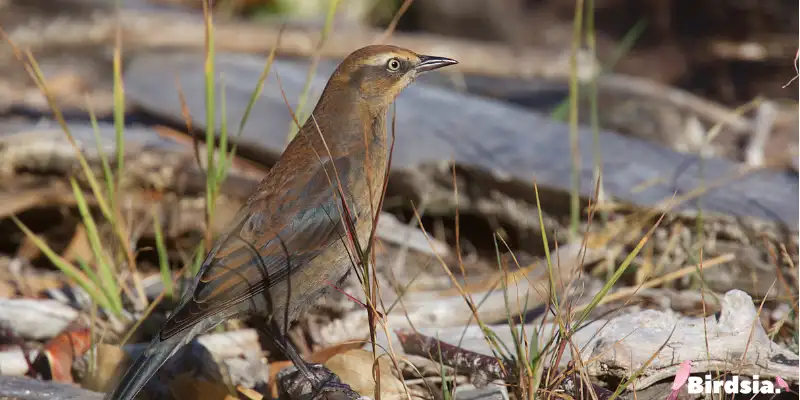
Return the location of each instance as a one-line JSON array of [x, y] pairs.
[[147, 365]]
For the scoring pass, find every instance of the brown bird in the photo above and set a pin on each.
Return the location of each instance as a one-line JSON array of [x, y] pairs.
[[291, 238]]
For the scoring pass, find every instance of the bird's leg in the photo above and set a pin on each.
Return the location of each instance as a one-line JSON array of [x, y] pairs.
[[293, 355], [316, 374]]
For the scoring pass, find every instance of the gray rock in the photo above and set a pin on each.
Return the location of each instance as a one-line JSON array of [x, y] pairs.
[[18, 388], [490, 392]]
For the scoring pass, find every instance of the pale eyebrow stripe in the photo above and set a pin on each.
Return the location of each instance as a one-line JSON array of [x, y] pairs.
[[379, 59]]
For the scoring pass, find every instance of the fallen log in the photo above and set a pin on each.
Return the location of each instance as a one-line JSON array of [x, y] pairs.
[[435, 126], [19, 388]]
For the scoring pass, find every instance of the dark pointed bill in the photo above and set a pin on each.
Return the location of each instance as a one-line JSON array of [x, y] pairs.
[[429, 63]]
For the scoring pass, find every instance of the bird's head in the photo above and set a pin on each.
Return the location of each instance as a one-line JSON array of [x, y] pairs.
[[380, 72]]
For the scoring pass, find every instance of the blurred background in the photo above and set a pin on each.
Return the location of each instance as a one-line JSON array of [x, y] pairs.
[[684, 107], [729, 51], [726, 52]]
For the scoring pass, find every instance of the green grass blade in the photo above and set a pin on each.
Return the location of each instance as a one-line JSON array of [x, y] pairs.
[[105, 270], [614, 278], [72, 273], [119, 117], [222, 164], [445, 391], [58, 115], [259, 87], [626, 44], [108, 212], [99, 283], [561, 112], [502, 350], [312, 69], [623, 385], [515, 337], [597, 156], [107, 173], [546, 247], [210, 99], [534, 348], [575, 204], [89, 272], [163, 257], [199, 257], [251, 102]]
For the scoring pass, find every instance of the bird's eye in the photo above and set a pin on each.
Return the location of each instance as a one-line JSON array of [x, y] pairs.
[[393, 65]]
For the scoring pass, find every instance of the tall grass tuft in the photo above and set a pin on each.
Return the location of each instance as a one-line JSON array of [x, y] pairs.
[[103, 278], [211, 112], [575, 201], [100, 281]]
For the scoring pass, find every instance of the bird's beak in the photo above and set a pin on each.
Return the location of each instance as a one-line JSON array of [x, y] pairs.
[[429, 63]]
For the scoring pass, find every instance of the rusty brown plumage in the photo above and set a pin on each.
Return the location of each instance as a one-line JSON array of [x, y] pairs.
[[290, 239]]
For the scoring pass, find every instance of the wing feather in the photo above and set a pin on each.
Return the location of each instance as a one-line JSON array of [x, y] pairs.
[[265, 247]]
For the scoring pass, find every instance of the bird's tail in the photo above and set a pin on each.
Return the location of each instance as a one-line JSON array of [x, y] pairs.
[[146, 365]]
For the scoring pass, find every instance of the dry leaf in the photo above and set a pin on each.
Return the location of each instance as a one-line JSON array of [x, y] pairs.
[[186, 386], [7, 290], [249, 393], [323, 355], [355, 369], [108, 360], [57, 356], [79, 247]]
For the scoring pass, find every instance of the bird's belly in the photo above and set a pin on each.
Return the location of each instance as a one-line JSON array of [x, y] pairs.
[[307, 284], [302, 288]]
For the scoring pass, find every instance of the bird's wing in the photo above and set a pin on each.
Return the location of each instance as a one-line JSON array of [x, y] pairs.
[[271, 240]]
